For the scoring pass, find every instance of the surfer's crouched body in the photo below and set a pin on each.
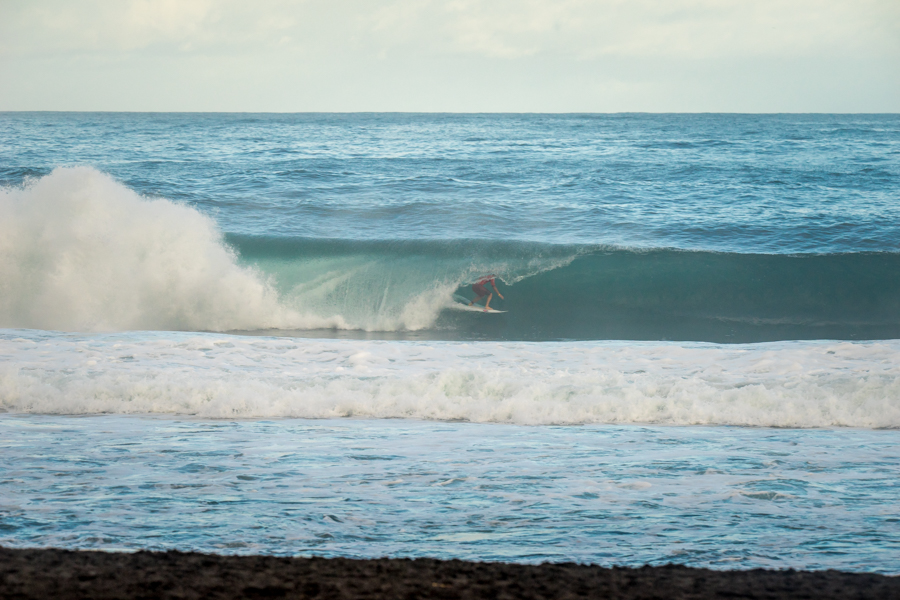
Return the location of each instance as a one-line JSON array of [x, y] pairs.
[[481, 291]]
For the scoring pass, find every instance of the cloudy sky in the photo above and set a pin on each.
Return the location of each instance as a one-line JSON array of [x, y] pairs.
[[451, 55]]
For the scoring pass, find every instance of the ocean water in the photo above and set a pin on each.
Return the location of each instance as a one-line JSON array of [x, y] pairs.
[[241, 333]]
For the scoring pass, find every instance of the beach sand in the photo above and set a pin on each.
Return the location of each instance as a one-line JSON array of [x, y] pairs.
[[62, 574]]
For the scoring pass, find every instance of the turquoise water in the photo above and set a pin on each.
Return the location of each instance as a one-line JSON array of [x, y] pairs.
[[717, 497], [238, 333]]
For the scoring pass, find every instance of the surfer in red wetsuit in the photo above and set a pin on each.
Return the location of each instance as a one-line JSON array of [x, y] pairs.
[[481, 291]]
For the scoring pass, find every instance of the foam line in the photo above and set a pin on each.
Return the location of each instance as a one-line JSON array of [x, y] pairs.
[[788, 384]]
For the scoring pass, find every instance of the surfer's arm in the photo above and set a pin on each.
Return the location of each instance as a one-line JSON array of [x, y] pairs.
[[494, 285]]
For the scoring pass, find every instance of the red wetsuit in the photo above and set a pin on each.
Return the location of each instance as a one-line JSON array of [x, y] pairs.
[[479, 288]]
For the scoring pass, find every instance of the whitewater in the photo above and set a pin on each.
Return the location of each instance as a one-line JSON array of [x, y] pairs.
[[238, 331], [788, 384]]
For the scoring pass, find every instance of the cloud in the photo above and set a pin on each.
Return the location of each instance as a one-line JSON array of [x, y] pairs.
[[640, 28], [45, 27], [449, 54], [510, 29]]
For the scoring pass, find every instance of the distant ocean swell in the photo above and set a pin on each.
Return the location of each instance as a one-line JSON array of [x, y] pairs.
[[81, 252], [781, 384]]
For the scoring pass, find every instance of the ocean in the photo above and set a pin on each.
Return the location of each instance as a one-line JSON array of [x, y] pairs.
[[242, 333]]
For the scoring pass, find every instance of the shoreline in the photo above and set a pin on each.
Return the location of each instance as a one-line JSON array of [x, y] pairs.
[[76, 574]]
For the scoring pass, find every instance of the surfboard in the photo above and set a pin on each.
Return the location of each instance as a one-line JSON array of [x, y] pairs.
[[475, 308], [462, 303]]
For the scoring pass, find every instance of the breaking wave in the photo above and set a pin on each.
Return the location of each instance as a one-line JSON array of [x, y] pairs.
[[82, 252]]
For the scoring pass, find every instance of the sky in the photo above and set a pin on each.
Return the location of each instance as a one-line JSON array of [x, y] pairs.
[[451, 55]]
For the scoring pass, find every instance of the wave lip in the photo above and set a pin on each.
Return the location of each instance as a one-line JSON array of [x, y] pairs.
[[787, 384]]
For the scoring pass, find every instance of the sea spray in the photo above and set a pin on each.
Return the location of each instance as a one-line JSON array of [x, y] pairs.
[[80, 251]]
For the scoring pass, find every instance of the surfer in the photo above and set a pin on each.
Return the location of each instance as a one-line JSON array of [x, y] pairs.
[[481, 291]]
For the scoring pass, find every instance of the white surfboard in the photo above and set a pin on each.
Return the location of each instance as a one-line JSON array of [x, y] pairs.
[[474, 308], [462, 303]]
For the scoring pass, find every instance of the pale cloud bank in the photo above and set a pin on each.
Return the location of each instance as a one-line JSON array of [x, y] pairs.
[[564, 55]]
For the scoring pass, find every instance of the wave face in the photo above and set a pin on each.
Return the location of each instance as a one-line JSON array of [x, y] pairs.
[[661, 294], [586, 292], [783, 384], [394, 286], [81, 252]]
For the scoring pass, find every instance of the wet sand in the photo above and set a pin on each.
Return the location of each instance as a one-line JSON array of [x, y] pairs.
[[63, 575]]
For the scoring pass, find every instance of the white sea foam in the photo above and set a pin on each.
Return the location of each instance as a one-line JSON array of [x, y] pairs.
[[786, 384], [79, 251]]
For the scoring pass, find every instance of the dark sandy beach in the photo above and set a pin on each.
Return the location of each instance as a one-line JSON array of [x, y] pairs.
[[63, 575]]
